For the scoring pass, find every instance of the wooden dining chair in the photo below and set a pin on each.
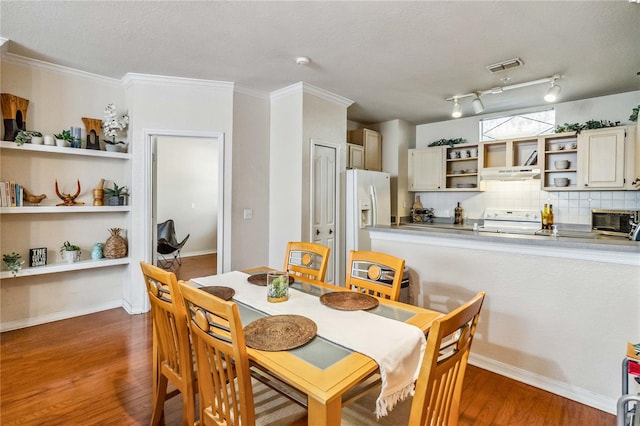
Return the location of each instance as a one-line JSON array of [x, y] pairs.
[[439, 385], [366, 269], [172, 354], [307, 260], [224, 380]]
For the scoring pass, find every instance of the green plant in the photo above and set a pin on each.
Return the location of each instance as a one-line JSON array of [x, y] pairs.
[[65, 135], [24, 136], [67, 246], [116, 191], [13, 262], [588, 125], [449, 142], [634, 114]]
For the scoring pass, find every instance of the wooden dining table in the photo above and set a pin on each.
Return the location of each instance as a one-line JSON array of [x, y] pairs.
[[321, 370]]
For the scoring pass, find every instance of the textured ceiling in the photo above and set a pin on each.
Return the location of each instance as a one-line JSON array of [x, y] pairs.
[[393, 59]]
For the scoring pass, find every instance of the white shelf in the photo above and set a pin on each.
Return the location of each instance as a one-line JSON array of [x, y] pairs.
[[66, 151], [66, 267], [63, 209]]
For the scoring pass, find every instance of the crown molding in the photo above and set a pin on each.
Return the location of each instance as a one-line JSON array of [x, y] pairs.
[[303, 87], [251, 92], [135, 78], [23, 60]]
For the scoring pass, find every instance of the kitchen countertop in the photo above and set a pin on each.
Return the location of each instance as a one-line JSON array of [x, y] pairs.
[[568, 239]]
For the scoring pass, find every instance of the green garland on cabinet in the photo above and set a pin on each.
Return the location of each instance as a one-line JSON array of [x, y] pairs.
[[589, 125], [449, 142]]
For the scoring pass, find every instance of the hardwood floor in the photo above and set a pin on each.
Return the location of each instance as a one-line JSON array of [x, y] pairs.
[[96, 370]]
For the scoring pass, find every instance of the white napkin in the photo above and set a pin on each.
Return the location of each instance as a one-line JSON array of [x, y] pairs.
[[396, 347]]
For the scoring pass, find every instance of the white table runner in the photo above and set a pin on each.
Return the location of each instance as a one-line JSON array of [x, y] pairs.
[[396, 347]]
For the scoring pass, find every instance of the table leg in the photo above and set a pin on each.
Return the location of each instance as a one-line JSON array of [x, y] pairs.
[[324, 413]]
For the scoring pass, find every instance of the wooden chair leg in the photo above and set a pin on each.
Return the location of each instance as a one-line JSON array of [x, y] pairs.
[[188, 407], [158, 401]]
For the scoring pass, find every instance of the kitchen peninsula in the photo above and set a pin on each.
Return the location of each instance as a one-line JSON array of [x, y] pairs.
[[559, 311]]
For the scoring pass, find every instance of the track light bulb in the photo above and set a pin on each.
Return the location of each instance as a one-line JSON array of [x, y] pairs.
[[552, 93], [477, 105], [457, 110]]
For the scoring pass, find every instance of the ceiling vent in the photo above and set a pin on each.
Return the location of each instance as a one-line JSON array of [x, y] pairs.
[[505, 65]]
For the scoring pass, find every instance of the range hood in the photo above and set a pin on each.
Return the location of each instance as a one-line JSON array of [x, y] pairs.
[[510, 173]]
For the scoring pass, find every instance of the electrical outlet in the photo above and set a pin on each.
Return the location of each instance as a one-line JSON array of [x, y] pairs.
[[248, 214]]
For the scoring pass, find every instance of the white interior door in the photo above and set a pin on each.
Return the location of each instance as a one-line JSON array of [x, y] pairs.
[[324, 198]]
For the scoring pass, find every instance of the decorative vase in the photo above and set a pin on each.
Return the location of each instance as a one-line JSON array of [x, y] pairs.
[[116, 246], [112, 148], [96, 252]]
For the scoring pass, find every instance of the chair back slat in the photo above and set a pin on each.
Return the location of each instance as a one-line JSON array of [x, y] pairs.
[[439, 385], [370, 272], [307, 260], [224, 380]]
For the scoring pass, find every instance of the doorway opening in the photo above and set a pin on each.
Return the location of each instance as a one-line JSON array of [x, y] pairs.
[[187, 185]]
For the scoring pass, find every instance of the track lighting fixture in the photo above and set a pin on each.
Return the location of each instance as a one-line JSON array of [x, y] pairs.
[[478, 106], [457, 110], [553, 92]]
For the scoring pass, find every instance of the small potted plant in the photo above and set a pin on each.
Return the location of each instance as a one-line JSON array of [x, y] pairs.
[[70, 252], [111, 125], [116, 195], [24, 136], [64, 138], [13, 262]]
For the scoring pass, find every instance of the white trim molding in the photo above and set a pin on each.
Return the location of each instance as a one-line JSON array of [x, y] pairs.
[[302, 87], [131, 78]]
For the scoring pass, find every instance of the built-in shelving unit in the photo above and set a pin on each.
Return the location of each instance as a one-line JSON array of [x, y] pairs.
[[558, 148], [461, 168], [53, 153]]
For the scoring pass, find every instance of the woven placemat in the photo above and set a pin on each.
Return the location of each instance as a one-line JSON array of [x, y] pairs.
[[261, 279], [224, 293], [349, 300], [279, 332]]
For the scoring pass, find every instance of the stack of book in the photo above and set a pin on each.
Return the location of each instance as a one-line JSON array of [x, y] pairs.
[[11, 194]]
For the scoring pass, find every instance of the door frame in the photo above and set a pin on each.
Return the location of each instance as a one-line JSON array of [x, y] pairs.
[[149, 225], [337, 265]]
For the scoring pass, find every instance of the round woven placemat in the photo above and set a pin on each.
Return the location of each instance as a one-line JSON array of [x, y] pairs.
[[349, 300], [224, 293], [261, 279], [279, 332]]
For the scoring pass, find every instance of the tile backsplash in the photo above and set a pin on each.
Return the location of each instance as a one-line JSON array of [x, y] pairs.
[[569, 207]]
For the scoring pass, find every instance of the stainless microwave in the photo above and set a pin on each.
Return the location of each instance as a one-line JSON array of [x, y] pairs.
[[614, 222]]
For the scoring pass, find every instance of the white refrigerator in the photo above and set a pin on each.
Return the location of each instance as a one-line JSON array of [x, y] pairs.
[[368, 203]]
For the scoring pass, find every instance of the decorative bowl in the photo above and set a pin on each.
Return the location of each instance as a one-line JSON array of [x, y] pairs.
[[561, 182], [562, 164], [557, 147]]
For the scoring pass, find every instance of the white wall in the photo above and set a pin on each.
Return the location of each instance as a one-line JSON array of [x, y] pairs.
[[250, 184], [187, 190], [570, 207]]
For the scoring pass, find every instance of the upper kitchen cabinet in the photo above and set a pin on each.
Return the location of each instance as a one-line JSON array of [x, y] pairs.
[[601, 158], [510, 153], [559, 162], [355, 156], [444, 168], [426, 169], [371, 141]]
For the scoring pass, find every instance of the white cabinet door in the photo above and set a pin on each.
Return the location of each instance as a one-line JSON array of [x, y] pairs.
[[426, 169], [601, 158]]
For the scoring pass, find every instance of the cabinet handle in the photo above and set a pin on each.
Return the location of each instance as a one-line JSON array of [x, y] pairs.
[[330, 231], [317, 232]]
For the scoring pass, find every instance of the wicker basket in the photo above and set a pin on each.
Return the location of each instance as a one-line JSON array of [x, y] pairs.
[[116, 246]]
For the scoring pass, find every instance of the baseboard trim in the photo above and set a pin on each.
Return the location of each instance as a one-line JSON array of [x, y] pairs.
[[57, 316], [199, 253], [601, 402]]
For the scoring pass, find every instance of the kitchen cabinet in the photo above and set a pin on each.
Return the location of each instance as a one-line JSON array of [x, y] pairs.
[[601, 158], [371, 141], [509, 153], [48, 225], [444, 168], [559, 161], [355, 156], [426, 169]]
